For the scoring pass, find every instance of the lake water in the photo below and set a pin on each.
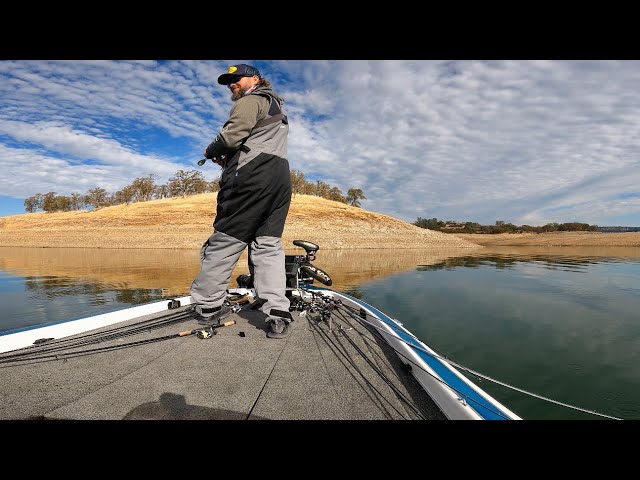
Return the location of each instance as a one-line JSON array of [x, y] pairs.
[[561, 323]]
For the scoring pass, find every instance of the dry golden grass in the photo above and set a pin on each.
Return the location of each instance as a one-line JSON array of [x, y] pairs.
[[185, 223]]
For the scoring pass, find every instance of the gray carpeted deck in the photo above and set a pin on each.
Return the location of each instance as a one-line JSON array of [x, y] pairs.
[[313, 374]]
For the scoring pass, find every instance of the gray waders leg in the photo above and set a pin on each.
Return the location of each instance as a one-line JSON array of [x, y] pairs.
[[218, 257], [266, 255]]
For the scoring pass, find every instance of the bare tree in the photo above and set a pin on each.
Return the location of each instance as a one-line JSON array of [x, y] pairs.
[[77, 201], [297, 181], [187, 183], [353, 195], [33, 203], [322, 189], [126, 195], [62, 203], [49, 202], [214, 185], [98, 197], [162, 191], [336, 195], [143, 188]]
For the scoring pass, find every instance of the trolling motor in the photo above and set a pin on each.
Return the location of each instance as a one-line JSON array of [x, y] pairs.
[[309, 247], [298, 268], [306, 272]]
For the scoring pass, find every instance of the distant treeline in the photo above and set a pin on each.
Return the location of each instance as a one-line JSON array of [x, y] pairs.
[[500, 226], [619, 229], [182, 184]]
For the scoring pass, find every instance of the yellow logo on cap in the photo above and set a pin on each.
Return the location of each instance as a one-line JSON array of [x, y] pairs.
[[232, 69]]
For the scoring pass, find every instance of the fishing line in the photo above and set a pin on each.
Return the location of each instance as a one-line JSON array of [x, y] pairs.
[[355, 367], [460, 394], [382, 375], [351, 311]]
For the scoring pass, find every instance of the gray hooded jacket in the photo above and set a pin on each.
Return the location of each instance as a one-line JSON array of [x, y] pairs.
[[255, 186], [257, 124]]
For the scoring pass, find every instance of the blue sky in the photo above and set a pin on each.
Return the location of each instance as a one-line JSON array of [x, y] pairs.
[[523, 141]]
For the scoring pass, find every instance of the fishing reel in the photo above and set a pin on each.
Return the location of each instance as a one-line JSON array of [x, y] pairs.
[[206, 332]]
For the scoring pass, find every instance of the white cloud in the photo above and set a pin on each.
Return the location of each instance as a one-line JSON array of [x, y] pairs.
[[522, 141], [62, 139]]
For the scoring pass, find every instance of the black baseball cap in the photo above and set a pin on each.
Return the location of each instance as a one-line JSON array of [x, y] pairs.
[[240, 70]]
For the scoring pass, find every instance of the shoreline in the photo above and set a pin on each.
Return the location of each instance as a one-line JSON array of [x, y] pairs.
[[329, 239], [554, 239], [185, 223]]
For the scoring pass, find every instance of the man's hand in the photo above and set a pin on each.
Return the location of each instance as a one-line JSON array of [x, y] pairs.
[[219, 160]]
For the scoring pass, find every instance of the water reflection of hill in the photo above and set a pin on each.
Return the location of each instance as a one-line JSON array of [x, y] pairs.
[[172, 271], [552, 257]]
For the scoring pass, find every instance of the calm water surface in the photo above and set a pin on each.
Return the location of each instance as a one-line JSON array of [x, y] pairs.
[[560, 323]]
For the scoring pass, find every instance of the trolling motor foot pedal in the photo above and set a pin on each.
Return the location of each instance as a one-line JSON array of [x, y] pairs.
[[257, 303]]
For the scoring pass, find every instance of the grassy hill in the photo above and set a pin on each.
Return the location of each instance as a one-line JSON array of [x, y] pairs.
[[185, 223]]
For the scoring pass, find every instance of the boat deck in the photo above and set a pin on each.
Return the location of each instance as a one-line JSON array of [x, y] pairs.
[[316, 373]]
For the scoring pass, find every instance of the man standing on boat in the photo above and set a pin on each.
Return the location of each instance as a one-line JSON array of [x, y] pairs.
[[253, 202]]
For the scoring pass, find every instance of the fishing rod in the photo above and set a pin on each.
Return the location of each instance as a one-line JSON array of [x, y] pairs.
[[48, 350], [44, 345], [37, 357]]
